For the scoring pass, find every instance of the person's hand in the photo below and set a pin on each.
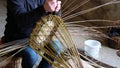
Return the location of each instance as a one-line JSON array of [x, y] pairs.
[[52, 5]]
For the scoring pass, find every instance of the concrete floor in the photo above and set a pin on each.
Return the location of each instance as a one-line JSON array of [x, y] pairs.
[[107, 55]]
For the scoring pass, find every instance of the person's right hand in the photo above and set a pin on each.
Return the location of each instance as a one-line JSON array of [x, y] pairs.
[[52, 5]]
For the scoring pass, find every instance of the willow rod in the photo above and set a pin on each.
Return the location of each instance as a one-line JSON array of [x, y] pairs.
[[88, 10], [75, 7], [67, 6]]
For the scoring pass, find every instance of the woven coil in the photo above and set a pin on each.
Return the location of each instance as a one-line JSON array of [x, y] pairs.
[[114, 42]]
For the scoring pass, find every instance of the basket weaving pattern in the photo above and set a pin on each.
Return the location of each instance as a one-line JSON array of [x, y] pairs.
[[49, 28]]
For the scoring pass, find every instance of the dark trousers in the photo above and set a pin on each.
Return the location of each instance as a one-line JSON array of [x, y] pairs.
[[30, 57]]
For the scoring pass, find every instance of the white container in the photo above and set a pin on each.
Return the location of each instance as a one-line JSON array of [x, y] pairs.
[[92, 48]]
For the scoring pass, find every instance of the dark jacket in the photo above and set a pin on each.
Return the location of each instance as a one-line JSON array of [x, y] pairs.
[[21, 18]]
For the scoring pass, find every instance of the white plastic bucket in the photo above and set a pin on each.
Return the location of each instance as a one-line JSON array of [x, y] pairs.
[[92, 48]]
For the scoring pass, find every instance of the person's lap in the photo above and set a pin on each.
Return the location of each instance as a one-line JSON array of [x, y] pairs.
[[30, 57]]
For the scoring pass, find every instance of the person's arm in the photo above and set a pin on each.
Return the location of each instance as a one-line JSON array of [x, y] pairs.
[[21, 15]]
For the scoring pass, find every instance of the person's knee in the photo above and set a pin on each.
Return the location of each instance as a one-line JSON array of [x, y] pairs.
[[57, 46], [29, 57]]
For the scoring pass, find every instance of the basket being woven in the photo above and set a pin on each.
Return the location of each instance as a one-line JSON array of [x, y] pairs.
[[51, 28]]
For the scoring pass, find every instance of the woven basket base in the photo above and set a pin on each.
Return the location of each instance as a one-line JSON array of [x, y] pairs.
[[114, 43]]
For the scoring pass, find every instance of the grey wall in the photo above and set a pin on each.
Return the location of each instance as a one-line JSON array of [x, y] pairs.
[[2, 16]]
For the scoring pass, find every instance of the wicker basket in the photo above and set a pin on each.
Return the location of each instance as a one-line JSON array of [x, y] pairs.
[[115, 42]]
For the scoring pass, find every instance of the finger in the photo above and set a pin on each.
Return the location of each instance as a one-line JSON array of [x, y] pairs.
[[59, 2], [58, 8]]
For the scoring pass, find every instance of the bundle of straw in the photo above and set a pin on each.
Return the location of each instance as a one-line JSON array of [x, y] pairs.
[[7, 59]]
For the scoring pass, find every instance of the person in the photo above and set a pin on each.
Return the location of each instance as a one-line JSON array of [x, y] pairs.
[[22, 16]]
